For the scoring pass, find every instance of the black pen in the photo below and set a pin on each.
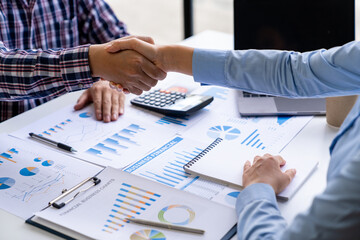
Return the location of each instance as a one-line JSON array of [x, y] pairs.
[[51, 142]]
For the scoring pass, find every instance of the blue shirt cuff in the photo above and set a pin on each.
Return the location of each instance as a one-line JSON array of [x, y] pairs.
[[209, 66], [255, 192]]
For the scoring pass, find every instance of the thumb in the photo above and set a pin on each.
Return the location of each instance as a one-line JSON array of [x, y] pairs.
[[83, 100], [146, 49], [291, 173]]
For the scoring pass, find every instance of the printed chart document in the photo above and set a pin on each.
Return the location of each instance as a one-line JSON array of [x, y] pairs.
[[99, 213], [265, 133], [224, 162], [165, 165], [31, 175], [113, 144]]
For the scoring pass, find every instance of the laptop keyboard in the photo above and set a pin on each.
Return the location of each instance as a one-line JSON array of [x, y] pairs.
[[251, 95]]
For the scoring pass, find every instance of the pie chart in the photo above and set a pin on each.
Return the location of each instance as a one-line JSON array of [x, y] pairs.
[[176, 214], [47, 163], [85, 115], [224, 132], [6, 183], [147, 234], [38, 159], [29, 171]]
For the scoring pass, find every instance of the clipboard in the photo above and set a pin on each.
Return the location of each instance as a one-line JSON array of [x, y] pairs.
[[111, 179]]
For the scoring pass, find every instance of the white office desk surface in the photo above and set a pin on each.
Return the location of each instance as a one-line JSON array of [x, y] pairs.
[[313, 141]]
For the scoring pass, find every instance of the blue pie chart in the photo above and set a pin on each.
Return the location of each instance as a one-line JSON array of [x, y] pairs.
[[29, 171], [6, 183], [47, 163], [225, 132], [85, 115], [38, 159]]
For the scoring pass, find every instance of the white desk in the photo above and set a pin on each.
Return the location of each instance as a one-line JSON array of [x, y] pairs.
[[313, 142]]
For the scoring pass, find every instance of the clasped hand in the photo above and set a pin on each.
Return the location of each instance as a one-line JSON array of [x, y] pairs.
[[131, 70]]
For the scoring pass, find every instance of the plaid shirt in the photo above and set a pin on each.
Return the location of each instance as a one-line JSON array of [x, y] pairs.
[[41, 56]]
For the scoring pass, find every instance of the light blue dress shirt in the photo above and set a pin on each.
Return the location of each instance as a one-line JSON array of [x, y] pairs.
[[334, 214]]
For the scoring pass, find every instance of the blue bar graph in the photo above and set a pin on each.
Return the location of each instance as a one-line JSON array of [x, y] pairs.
[[253, 140], [171, 173], [123, 139], [136, 127], [112, 147], [114, 142], [172, 120]]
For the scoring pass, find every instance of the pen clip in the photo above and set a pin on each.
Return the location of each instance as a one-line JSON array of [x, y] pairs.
[[66, 192]]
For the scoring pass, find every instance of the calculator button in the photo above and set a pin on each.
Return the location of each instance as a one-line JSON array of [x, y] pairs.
[[139, 100], [146, 101], [162, 104], [151, 102]]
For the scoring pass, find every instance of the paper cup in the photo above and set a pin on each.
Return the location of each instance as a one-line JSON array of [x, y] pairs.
[[337, 108]]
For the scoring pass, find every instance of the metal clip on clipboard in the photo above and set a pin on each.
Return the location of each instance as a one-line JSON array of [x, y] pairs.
[[66, 192]]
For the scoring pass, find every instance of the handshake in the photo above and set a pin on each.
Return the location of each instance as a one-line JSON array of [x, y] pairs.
[[135, 64]]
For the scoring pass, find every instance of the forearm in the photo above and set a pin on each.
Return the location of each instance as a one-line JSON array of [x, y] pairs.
[[37, 73], [318, 73], [176, 58], [258, 214]]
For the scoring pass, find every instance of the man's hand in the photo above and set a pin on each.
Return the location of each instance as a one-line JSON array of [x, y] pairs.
[[130, 69], [266, 169], [169, 58], [108, 102]]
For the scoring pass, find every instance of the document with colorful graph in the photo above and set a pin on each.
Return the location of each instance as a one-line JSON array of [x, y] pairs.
[[115, 144], [31, 176], [101, 211], [253, 133]]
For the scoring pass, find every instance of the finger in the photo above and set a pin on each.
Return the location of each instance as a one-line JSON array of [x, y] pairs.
[[116, 86], [142, 83], [280, 160], [247, 165], [144, 48], [97, 99], [256, 158], [115, 106], [152, 71], [83, 100], [126, 91], [106, 105], [121, 103], [134, 90], [290, 173], [267, 155], [145, 39]]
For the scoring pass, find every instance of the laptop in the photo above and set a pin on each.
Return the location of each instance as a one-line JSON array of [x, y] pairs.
[[298, 25]]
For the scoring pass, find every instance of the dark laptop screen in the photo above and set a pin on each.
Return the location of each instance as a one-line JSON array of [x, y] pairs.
[[299, 25]]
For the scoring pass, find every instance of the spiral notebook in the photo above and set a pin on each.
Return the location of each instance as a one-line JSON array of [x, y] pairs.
[[223, 161]]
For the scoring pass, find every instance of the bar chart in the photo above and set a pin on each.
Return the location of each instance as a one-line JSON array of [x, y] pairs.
[[115, 145], [130, 202], [253, 140]]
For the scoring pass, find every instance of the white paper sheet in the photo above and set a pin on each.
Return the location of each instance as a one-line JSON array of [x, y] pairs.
[[31, 176], [113, 144]]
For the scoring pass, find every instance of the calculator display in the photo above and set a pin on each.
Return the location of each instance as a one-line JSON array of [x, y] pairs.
[[187, 103]]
